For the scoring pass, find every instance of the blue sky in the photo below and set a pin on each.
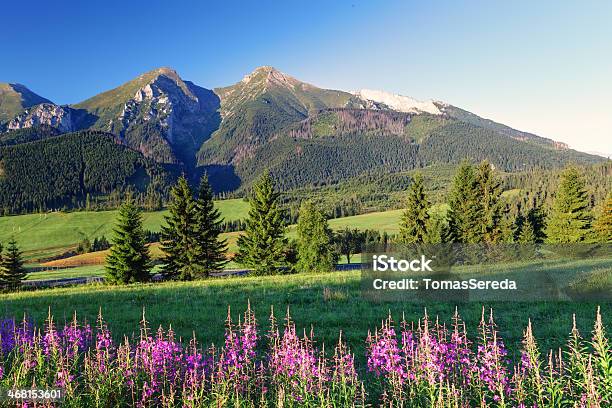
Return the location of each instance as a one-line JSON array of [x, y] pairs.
[[543, 66]]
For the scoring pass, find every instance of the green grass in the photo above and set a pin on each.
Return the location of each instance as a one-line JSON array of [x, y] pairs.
[[329, 302], [78, 272], [51, 234], [45, 235]]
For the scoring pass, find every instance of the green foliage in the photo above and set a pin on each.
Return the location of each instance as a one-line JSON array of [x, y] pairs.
[[100, 244], [27, 135], [12, 272], [190, 238], [211, 254], [129, 259], [465, 206], [348, 241], [179, 241], [438, 229], [570, 219], [492, 206], [603, 224], [422, 126], [58, 172], [477, 211], [315, 241], [530, 228], [262, 245], [415, 219]]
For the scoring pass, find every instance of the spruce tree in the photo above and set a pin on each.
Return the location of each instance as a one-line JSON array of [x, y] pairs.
[[315, 240], [178, 235], [415, 219], [529, 228], [603, 224], [211, 250], [128, 260], [570, 219], [12, 272], [465, 206], [492, 207], [262, 245], [438, 230]]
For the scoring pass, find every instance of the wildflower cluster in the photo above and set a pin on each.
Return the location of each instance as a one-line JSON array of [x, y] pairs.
[[428, 364], [414, 364]]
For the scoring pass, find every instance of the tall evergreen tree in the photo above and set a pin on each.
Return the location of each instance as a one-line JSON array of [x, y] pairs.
[[465, 206], [128, 260], [12, 272], [603, 224], [262, 245], [492, 207], [570, 219], [315, 240], [211, 250], [414, 221], [179, 234]]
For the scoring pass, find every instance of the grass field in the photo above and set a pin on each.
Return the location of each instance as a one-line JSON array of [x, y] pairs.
[[45, 235], [330, 302]]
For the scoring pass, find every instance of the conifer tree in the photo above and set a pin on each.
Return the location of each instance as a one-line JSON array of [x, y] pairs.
[[415, 219], [262, 245], [465, 206], [12, 272], [128, 260], [178, 235], [603, 224], [211, 250], [570, 219], [438, 230], [315, 240], [492, 207]]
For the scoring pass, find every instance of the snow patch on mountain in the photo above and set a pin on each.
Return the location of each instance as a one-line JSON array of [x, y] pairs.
[[396, 102]]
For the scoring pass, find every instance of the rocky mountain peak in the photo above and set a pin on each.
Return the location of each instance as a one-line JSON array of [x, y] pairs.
[[268, 75], [14, 98], [59, 117]]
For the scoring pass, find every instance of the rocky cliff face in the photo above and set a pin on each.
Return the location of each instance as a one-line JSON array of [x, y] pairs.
[[161, 101], [59, 117], [168, 116]]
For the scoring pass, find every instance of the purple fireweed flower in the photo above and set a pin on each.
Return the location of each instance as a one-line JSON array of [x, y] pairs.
[[7, 335], [76, 338], [384, 356]]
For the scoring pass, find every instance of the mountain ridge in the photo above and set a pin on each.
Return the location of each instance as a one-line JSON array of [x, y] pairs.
[[302, 133]]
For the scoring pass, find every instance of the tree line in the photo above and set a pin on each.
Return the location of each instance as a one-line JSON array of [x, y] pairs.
[[193, 248], [478, 213]]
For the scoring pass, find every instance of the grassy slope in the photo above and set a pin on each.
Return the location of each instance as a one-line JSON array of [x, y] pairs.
[[41, 235], [14, 98], [201, 307]]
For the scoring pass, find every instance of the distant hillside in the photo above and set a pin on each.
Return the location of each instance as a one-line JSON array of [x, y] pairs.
[[305, 135], [60, 171]]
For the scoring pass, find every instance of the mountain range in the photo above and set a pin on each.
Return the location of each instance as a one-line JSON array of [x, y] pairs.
[[303, 134]]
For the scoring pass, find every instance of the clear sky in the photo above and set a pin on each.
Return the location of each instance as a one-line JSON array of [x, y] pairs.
[[539, 66]]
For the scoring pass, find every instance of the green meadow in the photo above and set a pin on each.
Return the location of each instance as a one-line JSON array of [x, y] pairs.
[[329, 302], [49, 234]]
